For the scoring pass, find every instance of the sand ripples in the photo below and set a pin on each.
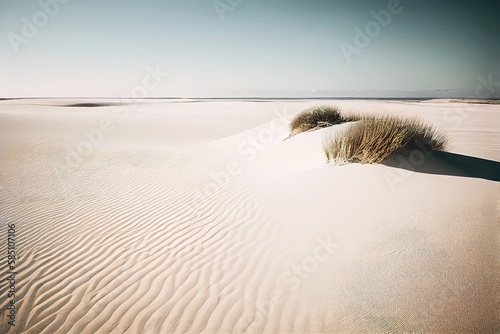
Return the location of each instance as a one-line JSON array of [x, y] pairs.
[[124, 248]]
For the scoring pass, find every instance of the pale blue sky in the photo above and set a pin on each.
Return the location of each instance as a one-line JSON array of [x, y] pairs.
[[102, 48]]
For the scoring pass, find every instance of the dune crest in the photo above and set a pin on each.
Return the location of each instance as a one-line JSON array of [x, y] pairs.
[[199, 218]]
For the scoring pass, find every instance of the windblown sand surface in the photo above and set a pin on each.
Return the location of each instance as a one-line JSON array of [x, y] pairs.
[[195, 217]]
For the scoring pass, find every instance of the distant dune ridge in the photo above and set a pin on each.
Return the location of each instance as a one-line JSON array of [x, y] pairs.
[[193, 216]]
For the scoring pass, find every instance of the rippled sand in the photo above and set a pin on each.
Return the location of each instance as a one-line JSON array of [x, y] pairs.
[[189, 216]]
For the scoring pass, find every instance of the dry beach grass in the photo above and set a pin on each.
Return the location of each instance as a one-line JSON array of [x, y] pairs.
[[372, 139], [319, 117], [375, 139], [197, 218]]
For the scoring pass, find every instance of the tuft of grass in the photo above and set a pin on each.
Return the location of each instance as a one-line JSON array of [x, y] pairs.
[[318, 117], [377, 138]]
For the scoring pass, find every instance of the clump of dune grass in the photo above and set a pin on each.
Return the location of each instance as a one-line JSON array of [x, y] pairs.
[[377, 138], [319, 117]]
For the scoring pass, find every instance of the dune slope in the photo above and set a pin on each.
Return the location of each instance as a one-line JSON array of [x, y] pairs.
[[199, 218]]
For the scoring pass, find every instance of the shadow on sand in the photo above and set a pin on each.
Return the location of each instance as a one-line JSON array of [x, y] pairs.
[[445, 163], [91, 105]]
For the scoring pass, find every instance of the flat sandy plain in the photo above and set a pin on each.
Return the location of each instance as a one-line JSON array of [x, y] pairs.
[[194, 216]]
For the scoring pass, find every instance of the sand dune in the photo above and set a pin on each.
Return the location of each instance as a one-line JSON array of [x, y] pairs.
[[196, 217]]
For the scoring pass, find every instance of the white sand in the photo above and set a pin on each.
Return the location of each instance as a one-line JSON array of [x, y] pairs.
[[195, 217]]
